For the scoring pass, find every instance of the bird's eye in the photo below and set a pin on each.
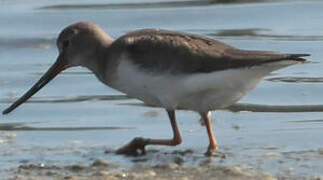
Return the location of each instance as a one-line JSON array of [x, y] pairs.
[[66, 43]]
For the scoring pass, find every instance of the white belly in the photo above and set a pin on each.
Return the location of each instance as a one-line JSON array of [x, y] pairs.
[[199, 92]]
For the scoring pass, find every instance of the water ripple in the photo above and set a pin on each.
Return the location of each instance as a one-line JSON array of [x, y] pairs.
[[290, 79], [21, 127], [308, 121], [239, 107], [260, 33], [234, 108], [70, 99], [169, 4], [39, 43], [274, 108]]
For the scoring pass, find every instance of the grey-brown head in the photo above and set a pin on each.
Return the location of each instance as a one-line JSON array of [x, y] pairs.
[[78, 45], [80, 42]]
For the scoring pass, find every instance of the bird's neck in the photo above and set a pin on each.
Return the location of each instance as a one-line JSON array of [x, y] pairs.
[[99, 64]]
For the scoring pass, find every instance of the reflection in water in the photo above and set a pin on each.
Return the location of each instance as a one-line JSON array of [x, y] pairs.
[[169, 4], [308, 121], [299, 129], [257, 107], [70, 99], [39, 43], [240, 32], [259, 33], [275, 108], [234, 108], [21, 127], [297, 79]]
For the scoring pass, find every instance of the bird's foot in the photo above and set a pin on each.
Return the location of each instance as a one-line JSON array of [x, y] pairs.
[[214, 153], [134, 148], [211, 150]]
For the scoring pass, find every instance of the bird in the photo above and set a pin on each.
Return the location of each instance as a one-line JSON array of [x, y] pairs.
[[168, 69]]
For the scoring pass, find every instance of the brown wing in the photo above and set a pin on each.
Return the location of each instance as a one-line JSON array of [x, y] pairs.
[[162, 50]]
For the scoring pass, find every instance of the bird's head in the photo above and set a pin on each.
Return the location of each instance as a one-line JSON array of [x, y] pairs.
[[80, 42], [78, 45]]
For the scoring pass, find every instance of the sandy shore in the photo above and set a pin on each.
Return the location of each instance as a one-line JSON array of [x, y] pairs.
[[102, 169]]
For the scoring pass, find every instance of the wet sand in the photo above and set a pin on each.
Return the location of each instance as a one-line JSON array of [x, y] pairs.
[[99, 170], [174, 169]]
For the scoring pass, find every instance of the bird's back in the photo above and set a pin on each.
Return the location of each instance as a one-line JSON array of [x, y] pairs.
[[176, 52]]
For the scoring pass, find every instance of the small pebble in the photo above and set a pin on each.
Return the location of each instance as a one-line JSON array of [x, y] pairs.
[[142, 175], [167, 166], [100, 162], [42, 165], [289, 170], [24, 161], [10, 136], [121, 175], [315, 178], [70, 177], [103, 173], [50, 173], [151, 173], [42, 46], [171, 166], [236, 127], [179, 161], [75, 143], [77, 167], [240, 170], [266, 176], [271, 154], [183, 153], [152, 113], [184, 178], [320, 151], [19, 177]]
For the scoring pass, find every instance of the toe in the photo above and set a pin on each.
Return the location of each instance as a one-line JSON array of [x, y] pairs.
[[134, 148]]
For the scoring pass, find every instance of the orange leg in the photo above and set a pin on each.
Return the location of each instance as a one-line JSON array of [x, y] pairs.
[[213, 145], [138, 144]]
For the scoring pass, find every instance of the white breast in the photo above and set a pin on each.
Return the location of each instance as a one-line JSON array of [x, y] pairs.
[[198, 92]]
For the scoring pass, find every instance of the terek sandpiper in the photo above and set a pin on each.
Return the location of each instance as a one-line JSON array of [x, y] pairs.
[[172, 70]]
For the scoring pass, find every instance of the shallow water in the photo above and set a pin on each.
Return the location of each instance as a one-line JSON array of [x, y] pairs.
[[76, 118]]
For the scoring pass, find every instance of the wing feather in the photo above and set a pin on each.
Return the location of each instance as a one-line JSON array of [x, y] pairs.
[[162, 50]]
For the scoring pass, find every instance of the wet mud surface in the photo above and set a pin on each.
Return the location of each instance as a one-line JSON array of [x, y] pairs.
[[174, 165]]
